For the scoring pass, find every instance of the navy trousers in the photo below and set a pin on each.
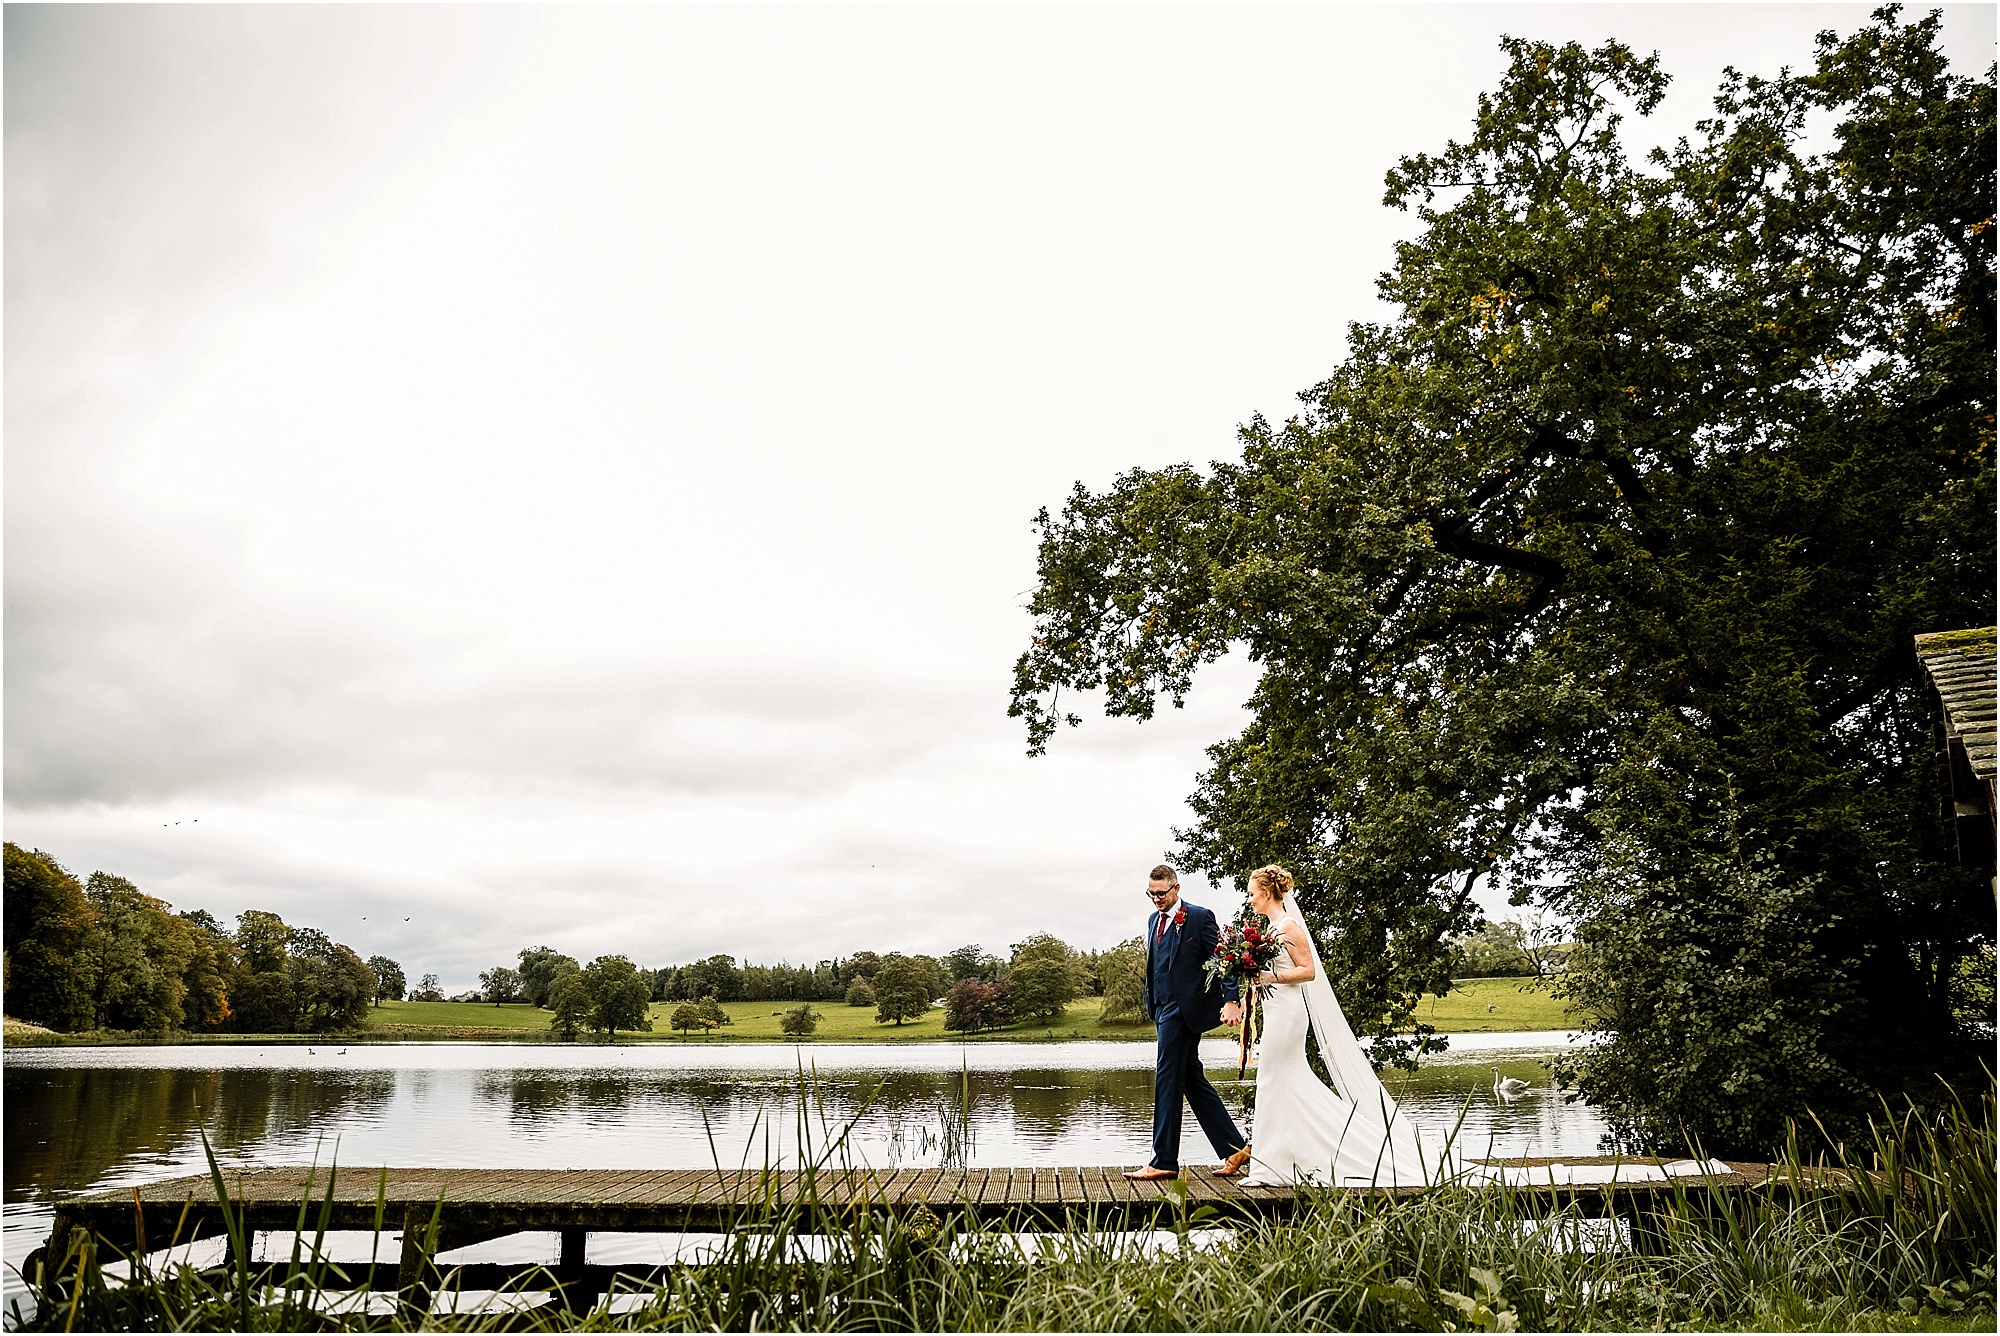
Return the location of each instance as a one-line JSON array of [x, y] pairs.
[[1177, 1075]]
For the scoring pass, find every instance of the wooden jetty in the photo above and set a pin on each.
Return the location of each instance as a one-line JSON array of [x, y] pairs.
[[468, 1206]]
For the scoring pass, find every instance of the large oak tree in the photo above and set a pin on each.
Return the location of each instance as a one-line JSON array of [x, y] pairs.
[[1594, 571]]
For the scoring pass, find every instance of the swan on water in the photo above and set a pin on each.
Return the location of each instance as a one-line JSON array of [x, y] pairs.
[[1508, 1088]]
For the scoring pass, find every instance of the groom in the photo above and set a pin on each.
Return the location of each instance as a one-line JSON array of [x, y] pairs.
[[1179, 940]]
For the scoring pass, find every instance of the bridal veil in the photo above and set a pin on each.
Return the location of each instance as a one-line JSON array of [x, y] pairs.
[[1404, 1159]]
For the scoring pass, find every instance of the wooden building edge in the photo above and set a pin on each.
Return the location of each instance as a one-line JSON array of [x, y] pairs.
[[1960, 668]]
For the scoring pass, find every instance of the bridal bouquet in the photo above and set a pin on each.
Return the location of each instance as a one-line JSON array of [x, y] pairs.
[[1242, 952]]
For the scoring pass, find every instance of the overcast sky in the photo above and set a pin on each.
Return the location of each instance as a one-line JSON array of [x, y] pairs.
[[565, 475]]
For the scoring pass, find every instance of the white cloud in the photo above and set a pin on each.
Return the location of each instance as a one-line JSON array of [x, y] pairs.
[[563, 474]]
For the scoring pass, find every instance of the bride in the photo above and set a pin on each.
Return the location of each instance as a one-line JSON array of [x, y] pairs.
[[1349, 1136]]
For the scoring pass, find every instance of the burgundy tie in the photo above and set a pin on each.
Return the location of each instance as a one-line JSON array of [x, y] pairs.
[[1162, 933]]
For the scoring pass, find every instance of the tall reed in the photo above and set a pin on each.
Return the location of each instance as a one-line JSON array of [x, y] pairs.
[[1874, 1236]]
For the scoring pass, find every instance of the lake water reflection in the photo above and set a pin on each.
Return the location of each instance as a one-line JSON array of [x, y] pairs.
[[83, 1118]]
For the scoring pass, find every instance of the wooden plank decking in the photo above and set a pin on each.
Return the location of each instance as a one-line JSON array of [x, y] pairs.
[[487, 1202], [474, 1205]]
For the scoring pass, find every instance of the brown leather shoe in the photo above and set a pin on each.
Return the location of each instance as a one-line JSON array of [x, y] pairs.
[[1234, 1165], [1152, 1171]]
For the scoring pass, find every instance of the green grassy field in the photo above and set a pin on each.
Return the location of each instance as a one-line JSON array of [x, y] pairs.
[[1476, 1005], [840, 1023], [460, 1015], [1472, 1006]]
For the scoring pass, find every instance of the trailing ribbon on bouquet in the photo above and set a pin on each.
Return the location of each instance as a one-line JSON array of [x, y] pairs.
[[1244, 1038]]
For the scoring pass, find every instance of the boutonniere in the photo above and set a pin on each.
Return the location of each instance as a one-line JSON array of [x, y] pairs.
[[1180, 917]]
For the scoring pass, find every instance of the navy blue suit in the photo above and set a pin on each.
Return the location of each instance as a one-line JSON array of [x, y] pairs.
[[1183, 1008]]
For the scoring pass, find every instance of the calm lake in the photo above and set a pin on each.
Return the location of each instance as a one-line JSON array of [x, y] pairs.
[[81, 1118]]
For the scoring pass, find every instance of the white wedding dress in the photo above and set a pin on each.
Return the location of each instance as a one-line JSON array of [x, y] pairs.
[[1352, 1136]]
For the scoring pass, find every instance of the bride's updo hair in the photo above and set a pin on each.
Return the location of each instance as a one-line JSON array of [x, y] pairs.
[[1272, 880]]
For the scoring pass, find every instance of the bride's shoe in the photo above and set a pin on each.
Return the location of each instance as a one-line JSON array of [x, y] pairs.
[[1234, 1165]]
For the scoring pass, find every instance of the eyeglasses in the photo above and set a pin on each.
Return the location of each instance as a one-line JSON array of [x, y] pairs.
[[1160, 895]]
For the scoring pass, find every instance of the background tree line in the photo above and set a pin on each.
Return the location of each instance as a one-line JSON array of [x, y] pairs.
[[1531, 946], [102, 954], [1037, 981]]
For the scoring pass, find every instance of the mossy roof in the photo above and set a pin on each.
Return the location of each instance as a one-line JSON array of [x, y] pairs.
[[1960, 665]]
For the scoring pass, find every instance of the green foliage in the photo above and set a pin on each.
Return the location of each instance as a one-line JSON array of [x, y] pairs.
[[210, 968], [265, 1003], [859, 994], [705, 1016], [142, 952], [540, 966], [781, 982], [1739, 1040], [49, 924], [262, 941], [1123, 970], [1974, 993], [1044, 946], [111, 957], [1041, 987], [1493, 950], [618, 997], [427, 990], [902, 989], [1604, 557], [501, 984], [331, 985], [800, 1021], [389, 982], [717, 977], [569, 999], [971, 962]]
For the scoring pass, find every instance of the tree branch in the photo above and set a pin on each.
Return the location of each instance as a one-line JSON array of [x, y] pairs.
[[1454, 538]]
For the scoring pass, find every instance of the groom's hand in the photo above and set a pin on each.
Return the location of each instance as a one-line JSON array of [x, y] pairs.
[[1232, 1014]]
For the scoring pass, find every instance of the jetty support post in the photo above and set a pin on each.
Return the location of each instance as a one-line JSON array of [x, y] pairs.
[[414, 1269], [42, 1268], [579, 1286]]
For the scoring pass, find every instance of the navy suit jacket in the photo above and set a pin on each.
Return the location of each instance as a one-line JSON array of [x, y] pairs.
[[1187, 947]]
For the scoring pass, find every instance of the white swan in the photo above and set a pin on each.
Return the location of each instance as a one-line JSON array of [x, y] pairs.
[[1508, 1088]]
